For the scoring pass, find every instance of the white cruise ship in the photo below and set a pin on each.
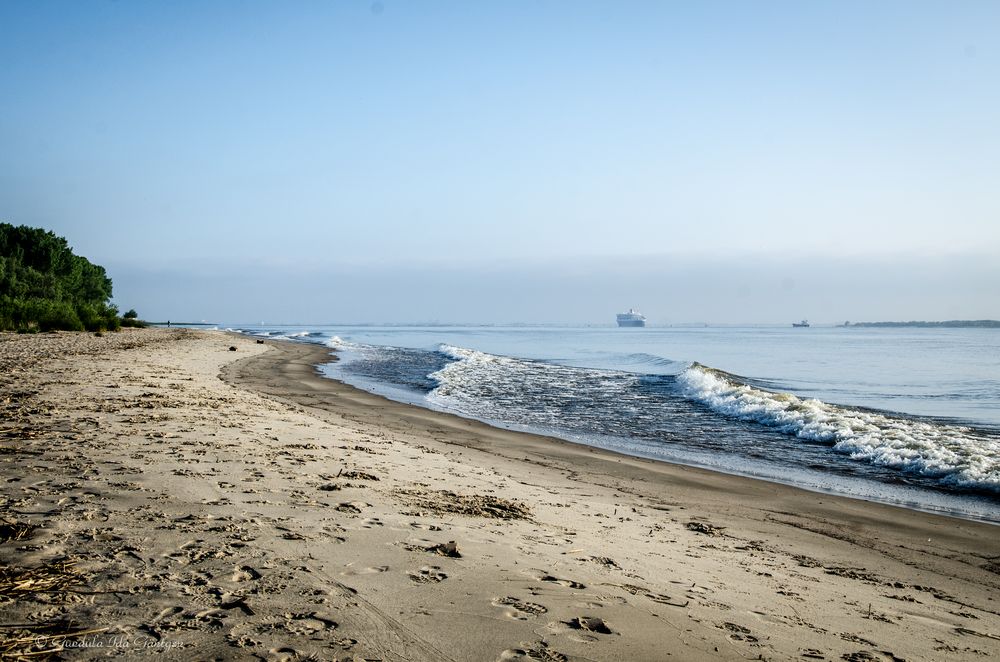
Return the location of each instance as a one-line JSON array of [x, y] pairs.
[[632, 318]]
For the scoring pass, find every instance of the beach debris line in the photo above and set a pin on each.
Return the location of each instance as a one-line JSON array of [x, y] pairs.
[[358, 475], [476, 505], [449, 549], [39, 642], [48, 584], [51, 578]]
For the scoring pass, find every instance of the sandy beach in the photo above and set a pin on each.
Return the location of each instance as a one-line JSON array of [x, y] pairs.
[[166, 496]]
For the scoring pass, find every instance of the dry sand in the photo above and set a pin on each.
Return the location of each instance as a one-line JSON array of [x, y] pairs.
[[154, 509]]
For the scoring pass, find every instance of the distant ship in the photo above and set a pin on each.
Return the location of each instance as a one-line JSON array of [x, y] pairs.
[[803, 323], [631, 318]]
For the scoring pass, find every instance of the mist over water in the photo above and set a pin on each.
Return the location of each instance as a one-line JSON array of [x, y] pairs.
[[907, 416], [669, 289]]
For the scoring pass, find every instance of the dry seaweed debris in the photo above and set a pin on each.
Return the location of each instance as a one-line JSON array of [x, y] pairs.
[[449, 549], [358, 475], [705, 529], [14, 530], [51, 578], [39, 641], [477, 505]]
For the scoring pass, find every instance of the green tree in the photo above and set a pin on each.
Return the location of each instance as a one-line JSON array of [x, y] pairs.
[[44, 286]]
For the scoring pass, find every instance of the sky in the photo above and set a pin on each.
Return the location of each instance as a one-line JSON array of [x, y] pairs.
[[491, 162]]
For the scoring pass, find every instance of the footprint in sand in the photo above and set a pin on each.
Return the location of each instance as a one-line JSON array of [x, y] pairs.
[[308, 624], [518, 609], [449, 549], [590, 624], [130, 556], [370, 570], [286, 654], [241, 641], [867, 656], [538, 651], [211, 615], [594, 604], [738, 632], [428, 527], [428, 574], [245, 573], [543, 576], [175, 618], [695, 591], [166, 613], [667, 600]]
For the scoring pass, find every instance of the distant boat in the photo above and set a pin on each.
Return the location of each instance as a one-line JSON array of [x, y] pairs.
[[803, 323], [631, 318]]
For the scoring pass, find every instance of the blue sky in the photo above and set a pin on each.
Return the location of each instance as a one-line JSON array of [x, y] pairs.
[[203, 144]]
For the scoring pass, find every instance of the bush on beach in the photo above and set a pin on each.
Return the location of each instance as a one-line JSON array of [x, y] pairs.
[[45, 287], [131, 319]]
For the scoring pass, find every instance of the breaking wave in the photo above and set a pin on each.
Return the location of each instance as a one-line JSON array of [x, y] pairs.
[[312, 336], [955, 455], [629, 401]]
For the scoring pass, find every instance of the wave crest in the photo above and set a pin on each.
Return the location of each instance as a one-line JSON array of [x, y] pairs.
[[953, 454]]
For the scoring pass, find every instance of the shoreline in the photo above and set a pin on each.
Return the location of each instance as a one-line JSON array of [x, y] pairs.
[[361, 398], [302, 384], [216, 504]]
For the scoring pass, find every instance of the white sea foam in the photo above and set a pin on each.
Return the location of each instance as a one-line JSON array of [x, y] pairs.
[[335, 342], [953, 454], [567, 400], [460, 382], [494, 387]]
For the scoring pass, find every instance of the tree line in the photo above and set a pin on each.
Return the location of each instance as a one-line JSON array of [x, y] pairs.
[[44, 286]]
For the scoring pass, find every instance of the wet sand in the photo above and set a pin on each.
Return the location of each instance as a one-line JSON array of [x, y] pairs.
[[152, 508]]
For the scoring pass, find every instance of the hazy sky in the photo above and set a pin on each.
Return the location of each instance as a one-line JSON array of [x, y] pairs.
[[533, 161]]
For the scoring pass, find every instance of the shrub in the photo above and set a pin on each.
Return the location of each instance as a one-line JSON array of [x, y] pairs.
[[131, 319], [44, 286]]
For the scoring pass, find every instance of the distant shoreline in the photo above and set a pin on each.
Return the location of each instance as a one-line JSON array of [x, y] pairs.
[[169, 323], [950, 324]]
